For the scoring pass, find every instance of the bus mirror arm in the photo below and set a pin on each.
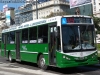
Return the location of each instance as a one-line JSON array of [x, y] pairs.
[[57, 33]]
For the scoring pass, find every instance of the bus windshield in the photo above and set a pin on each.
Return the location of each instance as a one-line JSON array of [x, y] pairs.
[[87, 37], [77, 37]]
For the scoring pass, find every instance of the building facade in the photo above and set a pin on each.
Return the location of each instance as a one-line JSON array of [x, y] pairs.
[[23, 14], [4, 18], [53, 6], [32, 11], [96, 7], [2, 21]]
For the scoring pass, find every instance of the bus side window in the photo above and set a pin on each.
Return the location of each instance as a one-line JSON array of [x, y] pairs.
[[8, 37], [33, 35], [25, 36], [2, 38], [43, 34], [12, 37]]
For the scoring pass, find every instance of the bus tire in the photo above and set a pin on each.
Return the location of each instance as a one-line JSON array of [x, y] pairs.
[[42, 63], [10, 57]]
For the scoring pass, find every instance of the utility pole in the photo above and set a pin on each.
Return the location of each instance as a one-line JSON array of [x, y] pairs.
[[36, 9]]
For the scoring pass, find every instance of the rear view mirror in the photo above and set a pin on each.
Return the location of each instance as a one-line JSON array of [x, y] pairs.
[[58, 32]]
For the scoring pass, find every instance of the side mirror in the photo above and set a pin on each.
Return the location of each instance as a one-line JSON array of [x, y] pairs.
[[56, 31]]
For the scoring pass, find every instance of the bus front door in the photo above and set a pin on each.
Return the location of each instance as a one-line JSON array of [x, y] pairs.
[[17, 45], [52, 46], [5, 41]]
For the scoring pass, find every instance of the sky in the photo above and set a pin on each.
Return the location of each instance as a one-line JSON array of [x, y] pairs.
[[13, 4]]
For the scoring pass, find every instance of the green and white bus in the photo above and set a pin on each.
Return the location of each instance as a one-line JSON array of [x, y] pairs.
[[61, 41]]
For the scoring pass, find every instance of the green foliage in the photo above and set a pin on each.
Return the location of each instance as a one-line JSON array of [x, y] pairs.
[[97, 32], [98, 46], [96, 23], [99, 55]]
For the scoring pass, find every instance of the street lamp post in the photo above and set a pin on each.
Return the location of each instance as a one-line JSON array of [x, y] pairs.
[[36, 9]]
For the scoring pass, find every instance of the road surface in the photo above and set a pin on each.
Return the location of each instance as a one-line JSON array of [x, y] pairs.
[[25, 68]]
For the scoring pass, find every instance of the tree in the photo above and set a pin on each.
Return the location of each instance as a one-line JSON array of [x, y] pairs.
[[96, 23]]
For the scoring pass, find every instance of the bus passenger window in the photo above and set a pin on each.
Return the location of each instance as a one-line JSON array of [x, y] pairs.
[[25, 36], [43, 34], [33, 35], [3, 38], [8, 38], [12, 37]]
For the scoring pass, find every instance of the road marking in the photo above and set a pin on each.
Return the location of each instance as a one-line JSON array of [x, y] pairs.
[[8, 73]]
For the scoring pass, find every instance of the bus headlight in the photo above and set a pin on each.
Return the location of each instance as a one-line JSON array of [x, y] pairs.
[[96, 54], [63, 56], [67, 58], [93, 56]]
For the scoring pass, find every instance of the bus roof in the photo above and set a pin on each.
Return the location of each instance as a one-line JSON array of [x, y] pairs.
[[39, 22]]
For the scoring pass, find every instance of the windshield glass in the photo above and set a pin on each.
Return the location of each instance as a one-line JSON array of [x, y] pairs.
[[70, 37], [87, 37], [77, 37]]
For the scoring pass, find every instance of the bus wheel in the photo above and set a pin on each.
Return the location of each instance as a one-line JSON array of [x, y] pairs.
[[10, 57], [42, 63]]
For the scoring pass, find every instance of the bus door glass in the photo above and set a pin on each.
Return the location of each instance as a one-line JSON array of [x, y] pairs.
[[18, 45], [5, 42], [53, 44]]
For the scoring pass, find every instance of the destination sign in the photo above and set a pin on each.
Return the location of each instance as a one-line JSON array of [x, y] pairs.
[[66, 20]]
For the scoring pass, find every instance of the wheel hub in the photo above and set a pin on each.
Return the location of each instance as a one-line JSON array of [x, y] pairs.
[[10, 58], [42, 62]]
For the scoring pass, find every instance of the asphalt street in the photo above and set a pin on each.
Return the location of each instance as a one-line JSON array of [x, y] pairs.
[[25, 68]]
